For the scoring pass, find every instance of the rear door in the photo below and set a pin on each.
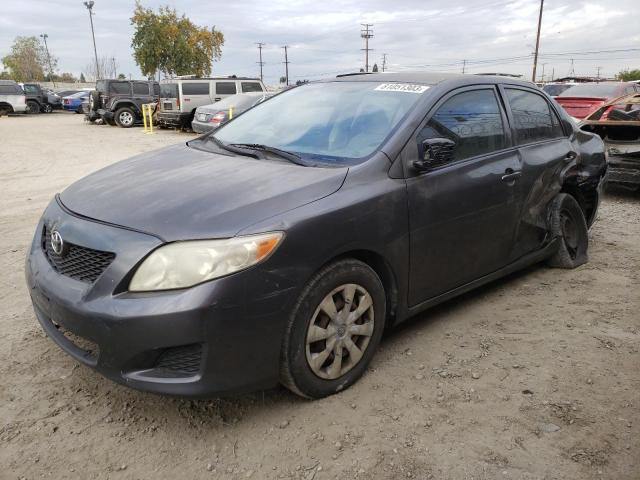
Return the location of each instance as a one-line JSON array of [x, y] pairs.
[[463, 213], [545, 149], [169, 97], [225, 88]]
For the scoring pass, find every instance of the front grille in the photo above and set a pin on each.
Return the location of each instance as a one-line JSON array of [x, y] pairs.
[[179, 361], [81, 263]]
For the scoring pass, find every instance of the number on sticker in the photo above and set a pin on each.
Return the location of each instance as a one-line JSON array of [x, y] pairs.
[[401, 87]]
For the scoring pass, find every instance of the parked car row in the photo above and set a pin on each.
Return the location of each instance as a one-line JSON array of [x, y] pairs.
[[32, 98]]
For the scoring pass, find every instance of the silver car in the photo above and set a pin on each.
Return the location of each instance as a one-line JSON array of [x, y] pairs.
[[12, 98], [210, 117]]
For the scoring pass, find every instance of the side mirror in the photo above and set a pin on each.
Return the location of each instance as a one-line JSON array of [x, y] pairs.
[[434, 152]]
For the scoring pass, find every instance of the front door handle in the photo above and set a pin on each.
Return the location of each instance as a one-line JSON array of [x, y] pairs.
[[511, 175], [570, 156]]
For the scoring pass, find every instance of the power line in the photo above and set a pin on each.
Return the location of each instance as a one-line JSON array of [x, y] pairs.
[[261, 63], [286, 63], [366, 33]]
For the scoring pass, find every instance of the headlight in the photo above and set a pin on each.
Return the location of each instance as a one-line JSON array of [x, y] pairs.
[[184, 264]]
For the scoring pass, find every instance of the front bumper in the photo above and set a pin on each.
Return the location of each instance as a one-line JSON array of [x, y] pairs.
[[173, 119], [215, 338]]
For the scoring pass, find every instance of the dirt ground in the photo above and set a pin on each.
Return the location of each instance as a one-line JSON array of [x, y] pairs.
[[532, 377]]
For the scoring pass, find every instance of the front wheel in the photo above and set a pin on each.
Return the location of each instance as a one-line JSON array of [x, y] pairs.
[[47, 108], [33, 107], [568, 224], [334, 330], [125, 117]]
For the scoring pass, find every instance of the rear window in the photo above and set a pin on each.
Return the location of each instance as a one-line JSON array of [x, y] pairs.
[[169, 90], [226, 88], [251, 87], [196, 88], [557, 89], [10, 90], [140, 88], [120, 88], [101, 86], [591, 90]]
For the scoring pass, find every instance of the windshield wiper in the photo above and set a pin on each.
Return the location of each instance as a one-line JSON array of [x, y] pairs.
[[231, 148], [292, 157]]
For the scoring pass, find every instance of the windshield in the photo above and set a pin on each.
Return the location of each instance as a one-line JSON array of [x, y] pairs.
[[337, 122], [591, 90], [556, 89]]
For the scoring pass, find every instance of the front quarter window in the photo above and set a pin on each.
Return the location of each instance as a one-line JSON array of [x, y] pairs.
[[331, 122]]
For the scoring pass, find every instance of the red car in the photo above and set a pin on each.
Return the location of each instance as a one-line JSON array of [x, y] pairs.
[[582, 99]]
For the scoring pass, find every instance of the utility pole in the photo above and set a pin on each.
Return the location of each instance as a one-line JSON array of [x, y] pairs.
[[261, 63], [366, 33], [572, 72], [464, 65], [598, 75], [384, 61], [89, 6], [286, 64], [542, 80], [553, 73], [535, 55], [46, 47]]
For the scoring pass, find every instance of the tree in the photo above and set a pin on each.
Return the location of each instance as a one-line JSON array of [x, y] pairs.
[[122, 76], [627, 75], [172, 44], [375, 68], [28, 60], [108, 68], [82, 79]]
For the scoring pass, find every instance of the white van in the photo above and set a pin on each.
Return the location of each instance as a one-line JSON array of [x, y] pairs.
[[12, 98], [180, 97]]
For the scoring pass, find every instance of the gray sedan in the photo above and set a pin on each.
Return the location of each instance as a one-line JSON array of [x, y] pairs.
[[210, 117]]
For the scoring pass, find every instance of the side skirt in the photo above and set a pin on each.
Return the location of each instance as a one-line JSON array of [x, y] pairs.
[[519, 264]]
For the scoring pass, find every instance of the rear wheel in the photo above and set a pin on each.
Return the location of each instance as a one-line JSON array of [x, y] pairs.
[[33, 107], [125, 117], [334, 330], [568, 224]]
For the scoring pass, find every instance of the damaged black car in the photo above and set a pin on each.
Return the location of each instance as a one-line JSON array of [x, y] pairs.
[[279, 248], [618, 124]]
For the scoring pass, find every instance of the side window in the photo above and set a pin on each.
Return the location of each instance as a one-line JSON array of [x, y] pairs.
[[251, 87], [472, 120], [140, 88], [8, 90], [226, 88], [120, 88], [556, 125], [30, 89], [533, 117], [156, 89], [195, 88]]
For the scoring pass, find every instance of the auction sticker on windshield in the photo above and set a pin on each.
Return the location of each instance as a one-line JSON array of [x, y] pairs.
[[401, 87]]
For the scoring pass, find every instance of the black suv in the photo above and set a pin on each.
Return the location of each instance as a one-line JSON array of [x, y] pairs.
[[37, 98], [119, 102]]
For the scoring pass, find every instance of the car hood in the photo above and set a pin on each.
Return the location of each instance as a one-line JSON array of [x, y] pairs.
[[180, 193]]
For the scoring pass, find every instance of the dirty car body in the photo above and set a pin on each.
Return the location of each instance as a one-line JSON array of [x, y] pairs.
[[355, 185], [618, 124]]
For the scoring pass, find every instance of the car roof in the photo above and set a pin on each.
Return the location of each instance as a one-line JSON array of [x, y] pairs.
[[428, 78], [8, 82]]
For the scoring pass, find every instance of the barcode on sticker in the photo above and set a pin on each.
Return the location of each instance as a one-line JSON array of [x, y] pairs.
[[401, 87]]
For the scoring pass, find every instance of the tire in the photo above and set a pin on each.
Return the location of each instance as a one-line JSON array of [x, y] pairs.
[[567, 223], [33, 107], [47, 108], [310, 368], [125, 117], [94, 101]]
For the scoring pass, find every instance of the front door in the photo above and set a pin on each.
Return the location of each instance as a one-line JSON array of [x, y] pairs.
[[463, 213]]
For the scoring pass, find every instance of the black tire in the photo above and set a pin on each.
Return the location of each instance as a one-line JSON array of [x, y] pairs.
[[567, 223], [47, 108], [296, 372], [125, 117], [94, 101], [33, 107]]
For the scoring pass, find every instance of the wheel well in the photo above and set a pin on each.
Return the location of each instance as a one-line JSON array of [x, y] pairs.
[[588, 200], [6, 107], [384, 270], [130, 105]]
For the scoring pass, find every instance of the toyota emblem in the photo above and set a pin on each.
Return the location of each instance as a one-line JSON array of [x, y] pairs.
[[56, 242]]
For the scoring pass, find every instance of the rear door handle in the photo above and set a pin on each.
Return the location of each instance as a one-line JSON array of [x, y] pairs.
[[510, 175]]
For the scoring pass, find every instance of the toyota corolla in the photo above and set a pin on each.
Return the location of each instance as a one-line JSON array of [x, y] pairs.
[[279, 248]]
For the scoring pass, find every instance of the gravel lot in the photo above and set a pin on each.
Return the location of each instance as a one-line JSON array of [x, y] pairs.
[[532, 377]]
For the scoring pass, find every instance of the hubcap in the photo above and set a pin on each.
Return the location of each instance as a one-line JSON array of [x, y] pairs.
[[340, 331], [126, 118]]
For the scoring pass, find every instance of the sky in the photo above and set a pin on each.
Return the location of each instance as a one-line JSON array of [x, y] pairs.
[[324, 36]]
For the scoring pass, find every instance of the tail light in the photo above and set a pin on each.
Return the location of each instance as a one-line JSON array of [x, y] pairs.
[[218, 117], [177, 103]]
